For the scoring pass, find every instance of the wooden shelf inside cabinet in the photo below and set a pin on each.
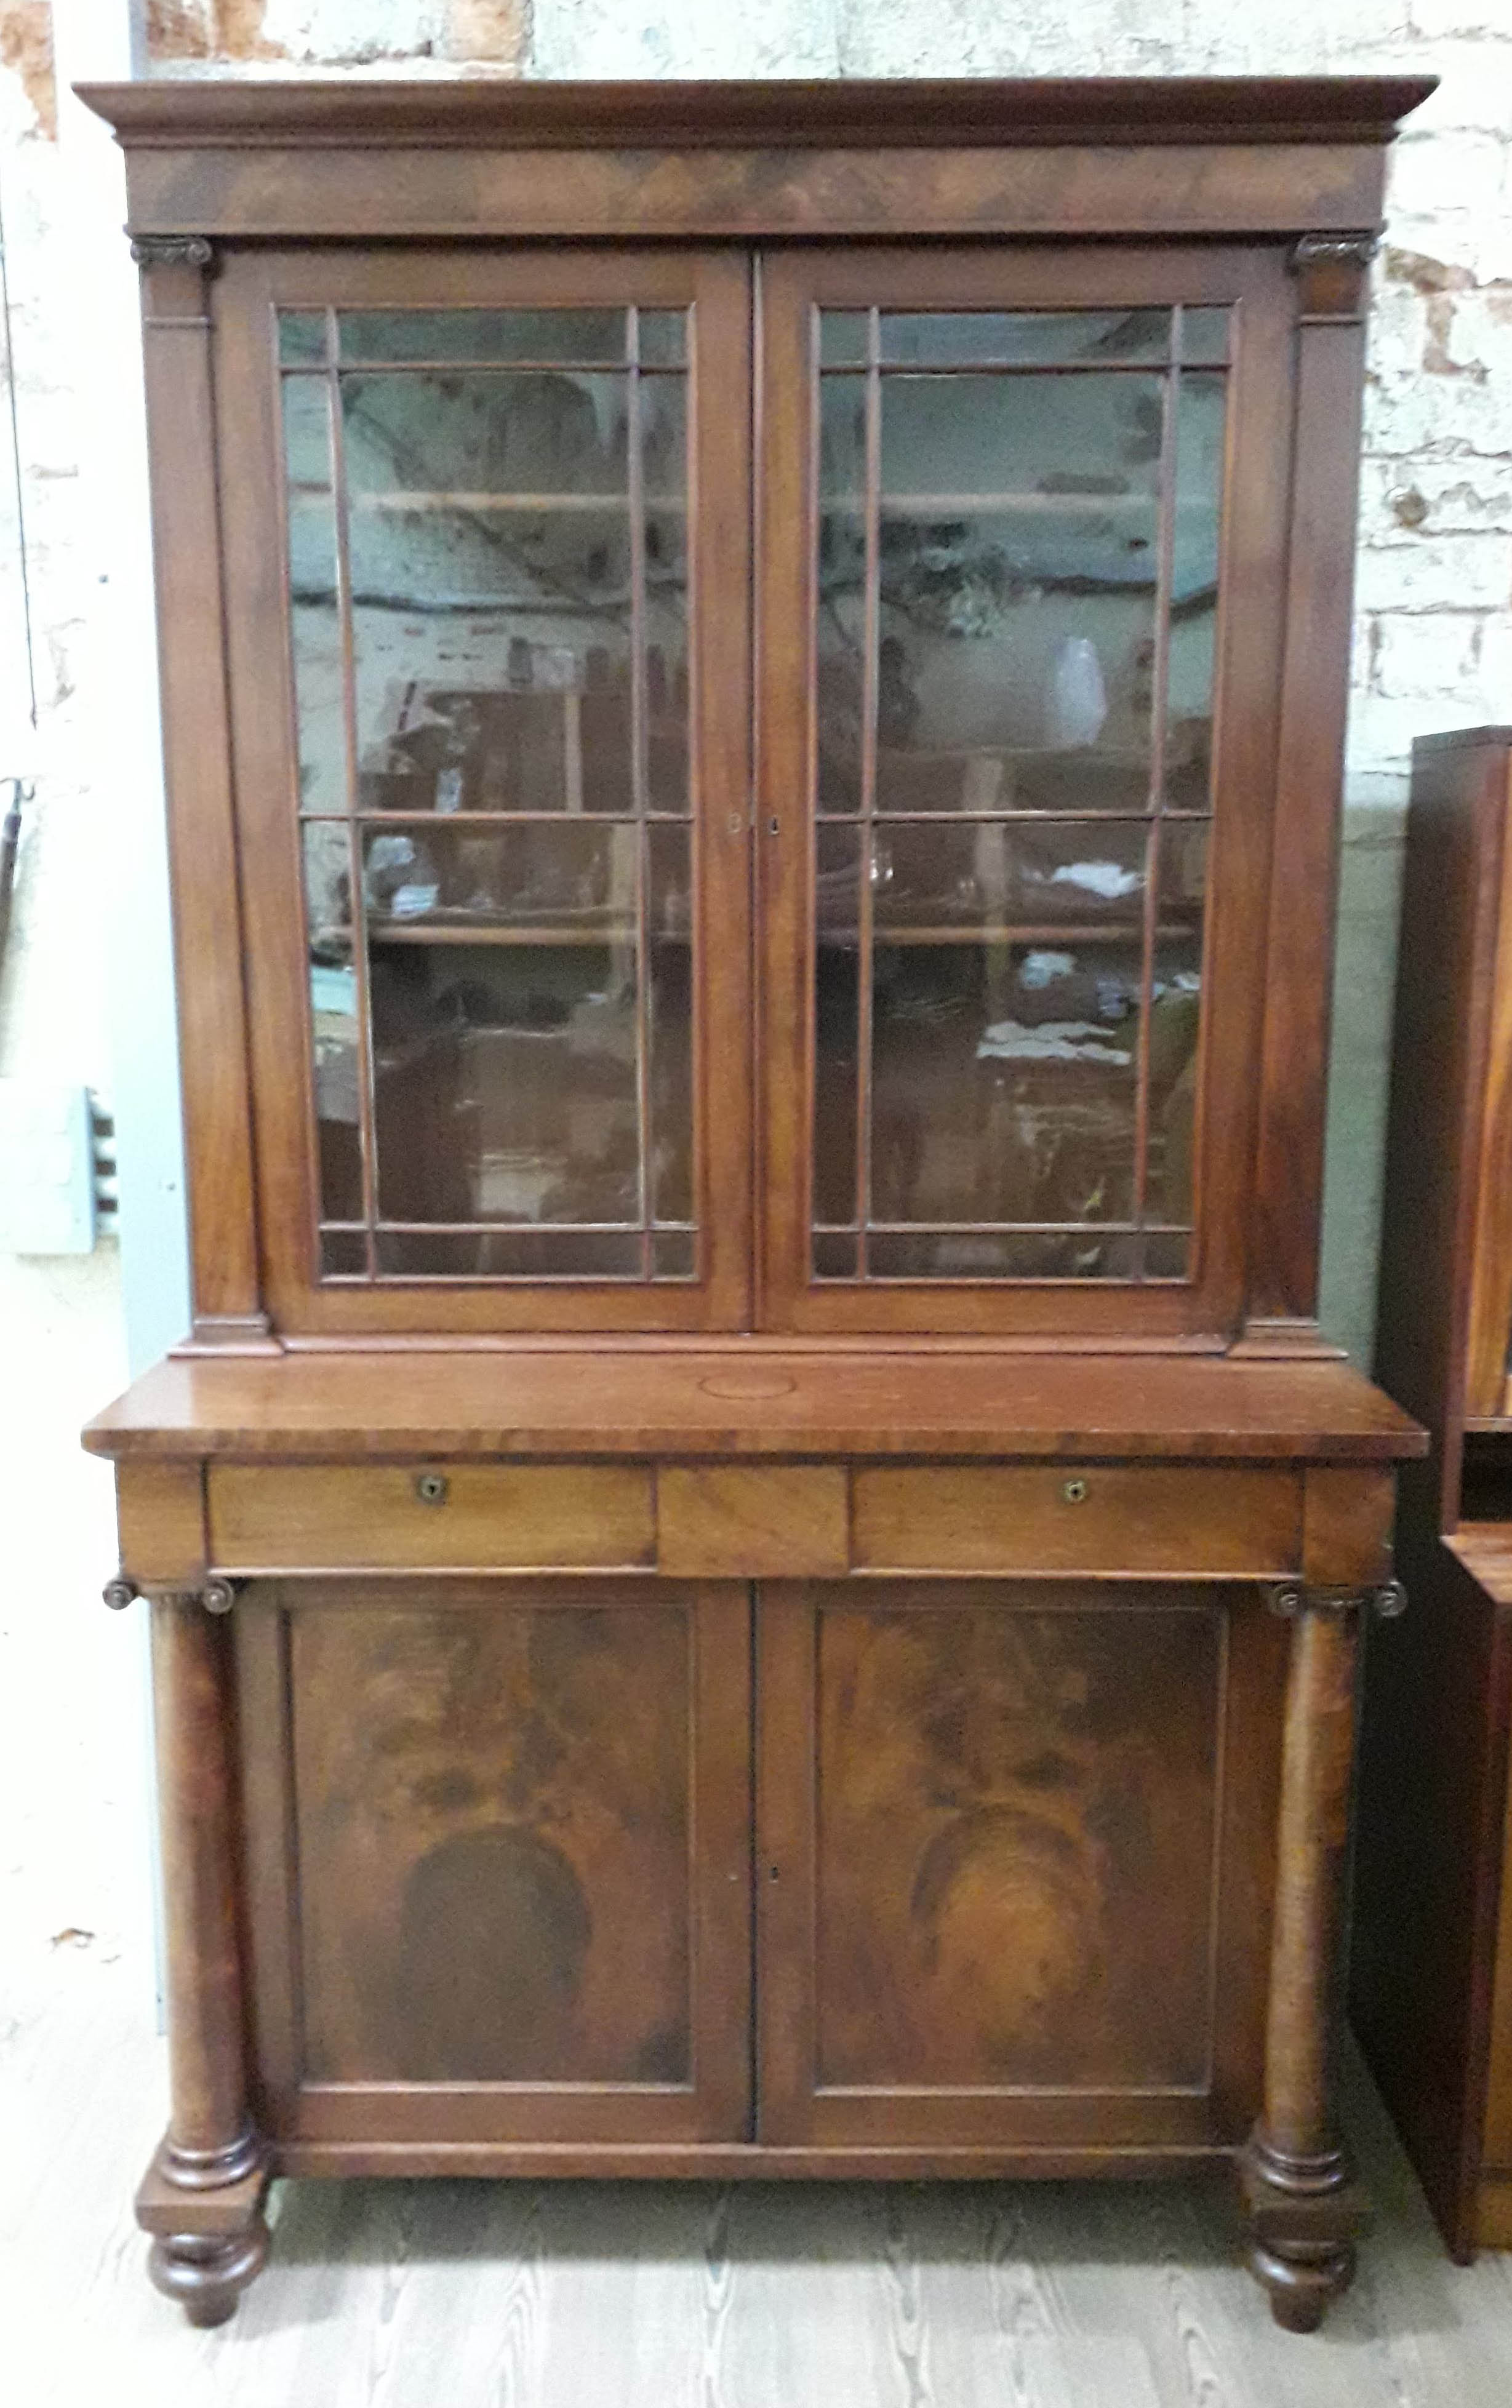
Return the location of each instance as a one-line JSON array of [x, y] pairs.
[[704, 1363]]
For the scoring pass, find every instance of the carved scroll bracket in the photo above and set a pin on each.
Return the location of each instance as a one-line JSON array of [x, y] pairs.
[[215, 1595], [1289, 1598]]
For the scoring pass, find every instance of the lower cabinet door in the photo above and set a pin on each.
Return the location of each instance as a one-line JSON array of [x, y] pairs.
[[498, 1838], [1016, 1848]]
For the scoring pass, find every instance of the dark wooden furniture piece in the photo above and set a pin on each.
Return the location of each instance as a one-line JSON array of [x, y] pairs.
[[1430, 1985], [754, 681]]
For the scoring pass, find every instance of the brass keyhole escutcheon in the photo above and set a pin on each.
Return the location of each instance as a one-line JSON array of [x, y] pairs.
[[1075, 1492], [430, 1487]]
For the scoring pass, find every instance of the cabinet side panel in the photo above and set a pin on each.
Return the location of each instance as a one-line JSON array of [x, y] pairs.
[[1444, 966]]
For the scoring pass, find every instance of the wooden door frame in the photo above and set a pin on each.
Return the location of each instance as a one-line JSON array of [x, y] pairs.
[[793, 285], [251, 285]]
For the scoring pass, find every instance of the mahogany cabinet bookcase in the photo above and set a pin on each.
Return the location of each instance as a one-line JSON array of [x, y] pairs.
[[1430, 1983], [755, 1555]]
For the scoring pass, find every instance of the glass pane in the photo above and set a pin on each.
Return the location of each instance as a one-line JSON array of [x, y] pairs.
[[1005, 1255], [315, 627], [490, 547], [513, 543], [1026, 338], [674, 1254], [1201, 404], [505, 1080], [834, 1255], [569, 337], [1168, 1254], [564, 884], [333, 1008], [1044, 607], [1043, 877], [836, 1004], [1175, 1013], [670, 1003], [840, 626], [663, 337], [301, 337], [1204, 338], [664, 441], [1019, 543], [842, 338], [1004, 1082], [343, 1254], [529, 1254]]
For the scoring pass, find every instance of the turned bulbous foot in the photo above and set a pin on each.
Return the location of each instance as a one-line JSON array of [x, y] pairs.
[[207, 2273], [1302, 2283]]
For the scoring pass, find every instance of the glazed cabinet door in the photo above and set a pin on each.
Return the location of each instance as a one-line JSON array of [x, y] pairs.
[[1015, 1845], [486, 528], [498, 1842], [1021, 546]]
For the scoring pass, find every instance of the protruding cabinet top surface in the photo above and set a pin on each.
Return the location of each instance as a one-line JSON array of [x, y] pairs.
[[754, 1400]]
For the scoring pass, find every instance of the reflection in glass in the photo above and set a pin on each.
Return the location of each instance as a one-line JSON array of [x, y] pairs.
[[498, 550], [1018, 557], [1008, 927], [505, 1081], [315, 626], [302, 338], [1025, 338], [670, 1005], [840, 628], [553, 885], [570, 337], [507, 1254], [1194, 591]]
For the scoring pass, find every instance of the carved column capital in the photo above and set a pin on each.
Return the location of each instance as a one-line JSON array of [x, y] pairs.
[[217, 1596], [171, 250], [1333, 251], [1289, 1598]]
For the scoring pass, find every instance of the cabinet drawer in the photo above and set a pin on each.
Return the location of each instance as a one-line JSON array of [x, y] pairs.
[[1076, 1518], [517, 1517]]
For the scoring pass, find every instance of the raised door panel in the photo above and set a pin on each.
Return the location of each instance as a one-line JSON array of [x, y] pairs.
[[498, 1840], [1020, 627], [1015, 1856], [486, 526]]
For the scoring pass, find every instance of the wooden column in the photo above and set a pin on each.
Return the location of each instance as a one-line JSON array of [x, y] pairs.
[[202, 2195], [177, 329], [1305, 2207]]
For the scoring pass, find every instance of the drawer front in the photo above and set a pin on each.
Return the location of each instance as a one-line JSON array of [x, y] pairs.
[[1076, 1518], [515, 1517]]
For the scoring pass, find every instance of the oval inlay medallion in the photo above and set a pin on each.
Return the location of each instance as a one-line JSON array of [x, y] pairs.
[[747, 1387]]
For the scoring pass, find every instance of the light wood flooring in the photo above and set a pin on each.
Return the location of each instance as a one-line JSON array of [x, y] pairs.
[[476, 2295]]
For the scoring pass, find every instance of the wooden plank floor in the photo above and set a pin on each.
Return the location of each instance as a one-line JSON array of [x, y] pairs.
[[478, 2295]]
